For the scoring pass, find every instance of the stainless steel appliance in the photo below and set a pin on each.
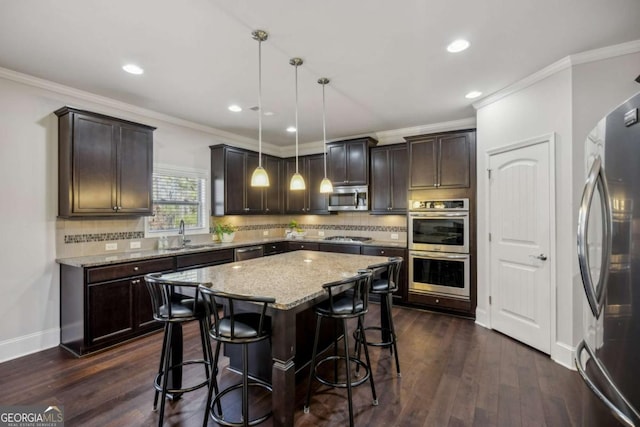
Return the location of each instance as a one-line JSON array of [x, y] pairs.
[[439, 225], [351, 239], [241, 254], [608, 358], [439, 261], [349, 198], [439, 273]]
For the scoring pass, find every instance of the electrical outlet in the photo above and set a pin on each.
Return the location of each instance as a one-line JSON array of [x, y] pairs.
[[265, 233], [394, 236], [134, 245], [320, 233], [111, 247]]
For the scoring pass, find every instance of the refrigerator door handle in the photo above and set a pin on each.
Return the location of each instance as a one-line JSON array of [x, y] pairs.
[[624, 417], [595, 180]]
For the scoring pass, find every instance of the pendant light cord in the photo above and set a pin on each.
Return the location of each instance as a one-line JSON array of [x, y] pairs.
[[324, 132], [296, 118], [259, 103]]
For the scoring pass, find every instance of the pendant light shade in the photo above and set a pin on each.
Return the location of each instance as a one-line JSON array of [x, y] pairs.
[[297, 181], [325, 184], [259, 177]]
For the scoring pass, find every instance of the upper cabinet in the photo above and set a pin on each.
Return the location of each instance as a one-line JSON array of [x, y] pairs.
[[441, 161], [389, 178], [348, 161], [105, 165], [232, 193], [310, 200]]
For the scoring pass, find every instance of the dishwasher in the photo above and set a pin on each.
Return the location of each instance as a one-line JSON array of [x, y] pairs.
[[248, 252]]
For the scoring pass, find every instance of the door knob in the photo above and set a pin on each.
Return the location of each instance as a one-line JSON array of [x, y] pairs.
[[541, 257]]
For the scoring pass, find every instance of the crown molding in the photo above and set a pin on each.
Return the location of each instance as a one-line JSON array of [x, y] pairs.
[[397, 135], [563, 64], [220, 136]]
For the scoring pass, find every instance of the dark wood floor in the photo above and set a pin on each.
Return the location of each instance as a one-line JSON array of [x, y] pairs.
[[454, 373]]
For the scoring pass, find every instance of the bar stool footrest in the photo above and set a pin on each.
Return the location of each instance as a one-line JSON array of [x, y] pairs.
[[336, 384], [219, 418], [157, 383], [392, 337]]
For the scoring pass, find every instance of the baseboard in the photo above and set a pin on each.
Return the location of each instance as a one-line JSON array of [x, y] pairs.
[[27, 344], [482, 318], [562, 354]]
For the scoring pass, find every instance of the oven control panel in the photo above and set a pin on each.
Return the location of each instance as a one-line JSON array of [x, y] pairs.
[[443, 204]]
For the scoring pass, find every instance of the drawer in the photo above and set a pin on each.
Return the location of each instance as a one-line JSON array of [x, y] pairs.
[[275, 248], [340, 248], [201, 259], [442, 302], [305, 246], [129, 269], [383, 251]]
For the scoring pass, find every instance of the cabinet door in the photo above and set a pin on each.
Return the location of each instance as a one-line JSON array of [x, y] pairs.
[[94, 165], [423, 163], [234, 182], [295, 200], [454, 160], [380, 180], [337, 163], [357, 171], [273, 196], [253, 194], [135, 170], [399, 177], [317, 201], [110, 311]]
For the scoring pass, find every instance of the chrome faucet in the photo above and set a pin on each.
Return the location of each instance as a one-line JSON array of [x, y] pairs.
[[183, 241]]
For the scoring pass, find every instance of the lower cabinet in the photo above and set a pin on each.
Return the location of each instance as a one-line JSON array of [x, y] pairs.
[[339, 248], [275, 248], [303, 246]]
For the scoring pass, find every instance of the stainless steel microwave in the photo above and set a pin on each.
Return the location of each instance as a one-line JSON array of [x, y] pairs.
[[349, 198]]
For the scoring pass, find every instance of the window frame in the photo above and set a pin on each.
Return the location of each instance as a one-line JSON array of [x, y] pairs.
[[186, 172]]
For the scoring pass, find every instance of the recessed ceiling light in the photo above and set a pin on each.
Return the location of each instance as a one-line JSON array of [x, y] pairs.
[[458, 46], [235, 108], [291, 129], [132, 69], [473, 94]]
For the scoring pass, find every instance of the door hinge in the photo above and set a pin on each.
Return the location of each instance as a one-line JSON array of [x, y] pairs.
[[489, 173], [489, 299], [489, 236]]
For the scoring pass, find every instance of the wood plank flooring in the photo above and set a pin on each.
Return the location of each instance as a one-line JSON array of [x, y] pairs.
[[454, 373]]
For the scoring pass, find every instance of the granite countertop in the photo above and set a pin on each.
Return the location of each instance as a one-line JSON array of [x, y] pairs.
[[119, 257], [292, 278]]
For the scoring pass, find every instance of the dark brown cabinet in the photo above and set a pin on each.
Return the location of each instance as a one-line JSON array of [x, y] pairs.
[[389, 179], [302, 246], [348, 161], [442, 161], [103, 306], [105, 165], [232, 193], [275, 248], [339, 248], [310, 200]]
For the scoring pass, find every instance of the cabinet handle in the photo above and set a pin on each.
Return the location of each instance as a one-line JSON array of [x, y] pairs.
[[381, 252], [266, 210], [437, 301], [115, 208], [301, 246], [246, 209], [136, 268]]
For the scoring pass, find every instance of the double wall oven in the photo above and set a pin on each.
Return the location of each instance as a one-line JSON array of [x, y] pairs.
[[439, 262]]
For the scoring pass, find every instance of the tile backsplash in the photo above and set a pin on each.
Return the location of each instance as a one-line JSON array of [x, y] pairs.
[[89, 237]]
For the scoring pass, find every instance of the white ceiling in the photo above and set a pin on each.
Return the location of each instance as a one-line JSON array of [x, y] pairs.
[[386, 59]]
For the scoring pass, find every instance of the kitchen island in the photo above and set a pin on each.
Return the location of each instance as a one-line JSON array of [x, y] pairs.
[[295, 280]]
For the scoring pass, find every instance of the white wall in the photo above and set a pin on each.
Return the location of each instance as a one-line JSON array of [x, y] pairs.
[[29, 278], [568, 103]]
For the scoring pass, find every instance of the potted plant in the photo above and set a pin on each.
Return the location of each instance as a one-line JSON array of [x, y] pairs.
[[295, 229], [225, 231]]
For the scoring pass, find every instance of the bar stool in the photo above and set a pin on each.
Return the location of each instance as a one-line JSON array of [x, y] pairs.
[[173, 308], [242, 328], [348, 299], [385, 285]]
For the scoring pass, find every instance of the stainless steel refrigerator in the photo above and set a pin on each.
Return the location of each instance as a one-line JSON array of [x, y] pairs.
[[608, 358]]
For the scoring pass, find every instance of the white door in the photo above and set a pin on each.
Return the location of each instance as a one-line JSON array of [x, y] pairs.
[[520, 223]]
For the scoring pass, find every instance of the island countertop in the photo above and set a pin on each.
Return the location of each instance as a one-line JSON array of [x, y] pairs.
[[292, 278]]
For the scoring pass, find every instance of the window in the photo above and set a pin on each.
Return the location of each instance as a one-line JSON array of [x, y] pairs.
[[178, 195]]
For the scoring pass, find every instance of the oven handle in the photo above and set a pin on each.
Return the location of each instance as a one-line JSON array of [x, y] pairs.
[[435, 214], [438, 255]]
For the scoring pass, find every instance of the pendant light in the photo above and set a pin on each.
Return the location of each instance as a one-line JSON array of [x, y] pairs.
[[325, 185], [259, 178], [297, 181]]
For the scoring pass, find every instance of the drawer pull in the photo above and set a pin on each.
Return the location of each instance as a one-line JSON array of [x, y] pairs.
[[136, 268]]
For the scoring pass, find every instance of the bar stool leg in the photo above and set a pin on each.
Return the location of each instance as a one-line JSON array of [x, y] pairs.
[[161, 366], [348, 366], [392, 329], [312, 366], [165, 372], [366, 355], [213, 386]]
